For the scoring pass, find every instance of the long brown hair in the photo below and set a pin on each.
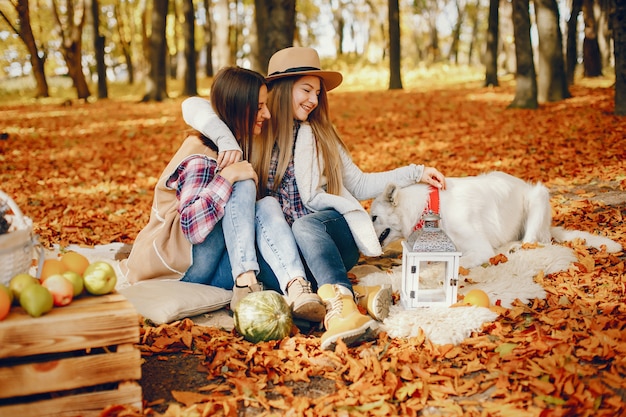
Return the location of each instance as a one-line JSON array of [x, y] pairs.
[[235, 99], [280, 131]]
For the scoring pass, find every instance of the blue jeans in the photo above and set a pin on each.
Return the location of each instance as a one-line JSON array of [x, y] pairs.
[[277, 246], [327, 247], [229, 249]]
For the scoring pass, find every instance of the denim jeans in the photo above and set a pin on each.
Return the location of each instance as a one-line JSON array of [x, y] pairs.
[[327, 247], [229, 249], [277, 246]]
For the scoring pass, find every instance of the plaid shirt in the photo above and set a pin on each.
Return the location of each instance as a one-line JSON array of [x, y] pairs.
[[202, 195], [287, 195]]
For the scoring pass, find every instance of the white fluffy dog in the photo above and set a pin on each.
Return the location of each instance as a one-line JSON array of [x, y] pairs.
[[480, 214]]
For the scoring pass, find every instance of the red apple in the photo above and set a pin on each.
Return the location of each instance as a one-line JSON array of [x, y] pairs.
[[61, 288]]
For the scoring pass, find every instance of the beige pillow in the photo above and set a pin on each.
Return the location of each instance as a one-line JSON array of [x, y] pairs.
[[165, 301]]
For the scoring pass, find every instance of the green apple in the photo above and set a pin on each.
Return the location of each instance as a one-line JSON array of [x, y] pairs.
[[36, 300], [99, 278], [77, 281], [8, 291], [19, 282]]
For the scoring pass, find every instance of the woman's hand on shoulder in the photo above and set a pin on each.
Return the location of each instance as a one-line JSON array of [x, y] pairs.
[[227, 158], [433, 177], [239, 171]]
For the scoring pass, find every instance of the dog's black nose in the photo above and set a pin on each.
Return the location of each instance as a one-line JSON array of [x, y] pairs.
[[384, 235]]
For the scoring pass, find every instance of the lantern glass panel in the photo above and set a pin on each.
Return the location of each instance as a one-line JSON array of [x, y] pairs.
[[431, 280]]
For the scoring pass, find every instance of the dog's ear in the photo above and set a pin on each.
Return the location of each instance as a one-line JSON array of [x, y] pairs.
[[391, 194]]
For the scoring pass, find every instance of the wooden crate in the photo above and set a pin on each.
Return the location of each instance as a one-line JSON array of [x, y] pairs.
[[73, 361]]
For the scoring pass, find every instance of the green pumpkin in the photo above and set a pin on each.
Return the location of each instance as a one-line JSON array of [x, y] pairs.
[[263, 316]]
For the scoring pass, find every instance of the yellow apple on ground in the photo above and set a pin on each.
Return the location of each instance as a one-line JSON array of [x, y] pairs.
[[19, 282], [76, 280], [477, 298], [99, 278], [61, 288], [36, 300]]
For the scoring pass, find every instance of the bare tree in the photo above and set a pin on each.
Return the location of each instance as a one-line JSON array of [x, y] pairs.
[[208, 38], [592, 61], [552, 82], [619, 38], [156, 82], [25, 32], [395, 79], [125, 34], [276, 25], [571, 50], [71, 24], [525, 79], [491, 55], [98, 46], [461, 12], [190, 87]]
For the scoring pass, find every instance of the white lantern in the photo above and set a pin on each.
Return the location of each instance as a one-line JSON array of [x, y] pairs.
[[430, 254]]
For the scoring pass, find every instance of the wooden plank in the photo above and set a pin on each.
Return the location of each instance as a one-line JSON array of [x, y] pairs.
[[83, 405], [70, 373], [88, 322]]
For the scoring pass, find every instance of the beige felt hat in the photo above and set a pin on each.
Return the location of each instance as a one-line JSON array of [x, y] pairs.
[[300, 61]]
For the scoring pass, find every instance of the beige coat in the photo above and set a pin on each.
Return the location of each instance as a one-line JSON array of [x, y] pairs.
[[161, 250]]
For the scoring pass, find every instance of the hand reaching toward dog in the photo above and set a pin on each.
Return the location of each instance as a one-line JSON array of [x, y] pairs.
[[433, 177]]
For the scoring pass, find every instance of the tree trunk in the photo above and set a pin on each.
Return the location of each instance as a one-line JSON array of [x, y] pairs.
[[190, 87], [221, 51], [25, 32], [453, 55], [208, 39], [98, 45], [592, 61], [526, 80], [435, 52], [619, 39], [552, 81], [276, 25], [491, 54], [71, 29], [571, 55], [156, 82], [395, 78], [125, 42]]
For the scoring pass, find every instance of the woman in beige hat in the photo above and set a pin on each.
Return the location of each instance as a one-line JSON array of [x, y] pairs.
[[304, 164]]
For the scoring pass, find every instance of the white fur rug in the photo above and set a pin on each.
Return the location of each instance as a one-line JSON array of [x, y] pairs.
[[506, 282]]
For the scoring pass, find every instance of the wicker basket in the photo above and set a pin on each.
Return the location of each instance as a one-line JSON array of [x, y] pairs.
[[18, 246]]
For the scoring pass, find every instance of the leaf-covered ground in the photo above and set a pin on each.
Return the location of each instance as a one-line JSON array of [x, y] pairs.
[[84, 173]]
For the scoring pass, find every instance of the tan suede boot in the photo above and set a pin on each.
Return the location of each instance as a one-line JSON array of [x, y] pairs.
[[304, 303], [375, 299], [343, 319]]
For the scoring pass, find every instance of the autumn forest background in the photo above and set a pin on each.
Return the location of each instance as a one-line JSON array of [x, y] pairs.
[[83, 167]]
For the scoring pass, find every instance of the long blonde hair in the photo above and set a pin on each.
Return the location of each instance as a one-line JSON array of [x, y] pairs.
[[280, 131]]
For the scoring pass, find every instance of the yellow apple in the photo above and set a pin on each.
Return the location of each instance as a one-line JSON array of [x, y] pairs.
[[99, 278], [36, 300], [77, 281], [19, 282]]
